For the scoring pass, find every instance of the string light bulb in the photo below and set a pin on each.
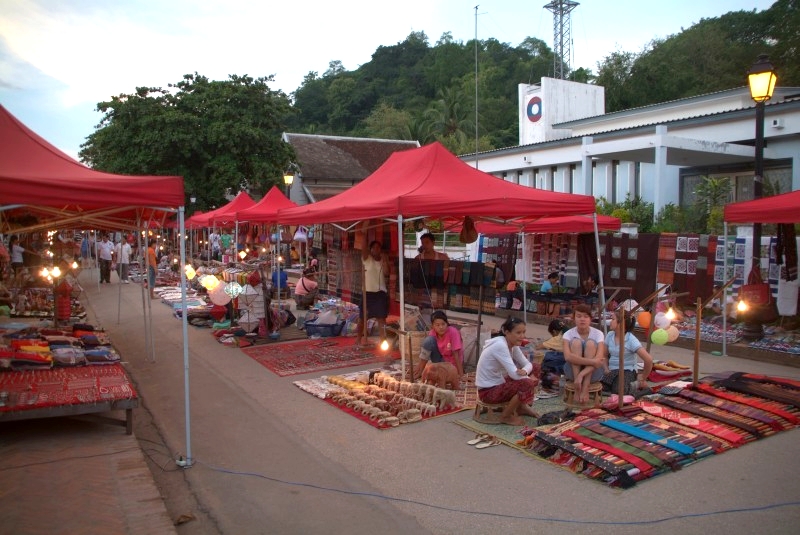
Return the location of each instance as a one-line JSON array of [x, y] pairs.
[[385, 345], [55, 272], [670, 314], [741, 306]]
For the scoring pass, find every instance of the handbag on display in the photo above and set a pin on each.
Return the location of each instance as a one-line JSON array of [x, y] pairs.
[[301, 234], [756, 291]]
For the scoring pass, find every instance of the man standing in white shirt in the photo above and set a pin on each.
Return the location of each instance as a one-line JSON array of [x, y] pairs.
[[376, 300], [105, 250], [123, 255]]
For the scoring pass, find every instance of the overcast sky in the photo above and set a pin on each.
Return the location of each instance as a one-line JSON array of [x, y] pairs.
[[59, 58]]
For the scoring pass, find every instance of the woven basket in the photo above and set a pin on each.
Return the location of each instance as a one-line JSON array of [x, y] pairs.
[[414, 345]]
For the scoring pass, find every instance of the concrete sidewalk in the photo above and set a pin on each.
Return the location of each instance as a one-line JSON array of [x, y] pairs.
[[74, 475], [269, 458]]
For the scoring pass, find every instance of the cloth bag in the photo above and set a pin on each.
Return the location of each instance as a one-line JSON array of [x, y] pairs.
[[756, 291]]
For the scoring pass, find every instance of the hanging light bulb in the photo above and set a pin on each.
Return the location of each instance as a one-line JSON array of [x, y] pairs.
[[242, 254], [55, 272], [190, 272], [44, 272], [670, 314], [385, 345], [74, 265]]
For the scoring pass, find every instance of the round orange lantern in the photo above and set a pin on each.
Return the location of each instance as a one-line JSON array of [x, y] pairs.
[[643, 319]]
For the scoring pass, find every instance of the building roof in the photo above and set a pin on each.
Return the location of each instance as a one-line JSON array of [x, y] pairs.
[[329, 165]]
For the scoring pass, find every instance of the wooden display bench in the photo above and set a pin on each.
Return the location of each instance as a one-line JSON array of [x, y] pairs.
[[72, 391], [84, 409]]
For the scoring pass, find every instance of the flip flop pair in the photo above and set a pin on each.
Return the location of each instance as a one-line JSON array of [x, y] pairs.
[[484, 441], [479, 438]]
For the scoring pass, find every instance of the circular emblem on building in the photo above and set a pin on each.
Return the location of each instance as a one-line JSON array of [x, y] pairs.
[[534, 109]]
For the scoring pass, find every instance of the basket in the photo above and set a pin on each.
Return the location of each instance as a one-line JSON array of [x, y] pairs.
[[414, 345], [323, 331]]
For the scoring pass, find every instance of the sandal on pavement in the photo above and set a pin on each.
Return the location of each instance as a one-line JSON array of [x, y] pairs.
[[479, 438], [489, 444]]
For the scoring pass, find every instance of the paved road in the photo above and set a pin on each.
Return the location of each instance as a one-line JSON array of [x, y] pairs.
[[270, 458]]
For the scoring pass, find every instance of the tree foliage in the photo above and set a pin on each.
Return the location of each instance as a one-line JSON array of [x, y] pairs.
[[216, 134]]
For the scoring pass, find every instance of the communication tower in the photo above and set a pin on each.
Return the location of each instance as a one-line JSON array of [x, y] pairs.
[[562, 35]]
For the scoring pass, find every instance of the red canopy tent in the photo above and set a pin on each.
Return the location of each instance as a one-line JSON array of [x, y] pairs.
[[55, 187], [266, 210], [225, 214], [61, 192], [430, 181], [783, 208]]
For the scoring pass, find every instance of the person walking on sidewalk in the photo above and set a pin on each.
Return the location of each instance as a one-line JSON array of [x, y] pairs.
[[152, 267]]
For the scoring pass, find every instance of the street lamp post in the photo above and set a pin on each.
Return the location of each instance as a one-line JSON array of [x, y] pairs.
[[288, 179], [761, 79]]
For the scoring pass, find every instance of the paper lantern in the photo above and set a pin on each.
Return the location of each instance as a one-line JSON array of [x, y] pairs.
[[218, 312], [673, 333], [629, 304], [248, 321], [661, 321], [249, 295], [233, 289], [218, 295], [254, 278], [644, 318], [659, 337]]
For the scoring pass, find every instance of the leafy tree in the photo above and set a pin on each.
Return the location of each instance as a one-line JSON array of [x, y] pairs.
[[387, 122], [216, 134], [613, 74], [782, 23]]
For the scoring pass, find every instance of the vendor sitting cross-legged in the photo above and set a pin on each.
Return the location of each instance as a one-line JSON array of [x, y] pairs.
[[443, 344]]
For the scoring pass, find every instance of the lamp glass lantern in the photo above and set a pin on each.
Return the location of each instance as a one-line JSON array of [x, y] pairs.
[[288, 179], [762, 79]]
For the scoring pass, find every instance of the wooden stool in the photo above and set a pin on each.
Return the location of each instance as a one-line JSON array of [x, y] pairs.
[[595, 395], [488, 413]]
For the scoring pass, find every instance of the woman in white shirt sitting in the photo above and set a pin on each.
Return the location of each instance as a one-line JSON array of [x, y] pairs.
[[503, 374]]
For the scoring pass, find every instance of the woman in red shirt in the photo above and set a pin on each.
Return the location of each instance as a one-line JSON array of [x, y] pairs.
[[443, 344]]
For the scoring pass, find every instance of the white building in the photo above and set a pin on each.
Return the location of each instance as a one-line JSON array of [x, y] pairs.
[[658, 152]]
